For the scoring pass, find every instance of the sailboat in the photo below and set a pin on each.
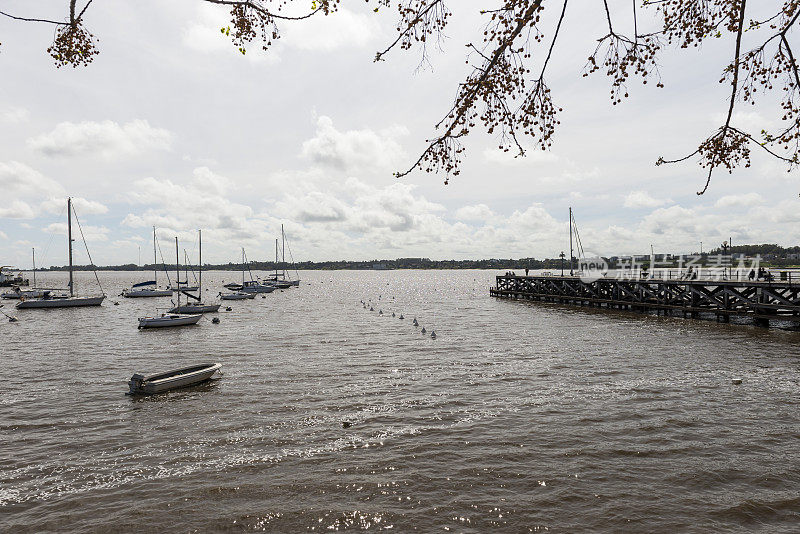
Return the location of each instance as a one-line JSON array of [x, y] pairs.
[[148, 288], [282, 281], [59, 301], [197, 306], [32, 293], [171, 318], [238, 294]]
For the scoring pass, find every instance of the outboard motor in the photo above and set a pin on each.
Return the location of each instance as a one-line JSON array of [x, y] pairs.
[[135, 383]]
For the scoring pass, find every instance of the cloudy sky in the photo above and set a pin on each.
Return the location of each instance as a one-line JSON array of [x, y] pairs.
[[172, 127]]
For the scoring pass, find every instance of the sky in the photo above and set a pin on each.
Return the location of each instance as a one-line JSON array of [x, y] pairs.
[[172, 127]]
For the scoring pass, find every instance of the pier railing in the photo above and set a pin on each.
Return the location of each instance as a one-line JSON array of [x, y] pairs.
[[763, 301]]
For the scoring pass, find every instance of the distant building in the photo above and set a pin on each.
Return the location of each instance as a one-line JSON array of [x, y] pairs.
[[379, 267]]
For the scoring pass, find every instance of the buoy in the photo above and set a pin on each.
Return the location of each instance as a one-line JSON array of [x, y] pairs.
[[380, 312], [215, 320], [116, 303], [263, 296], [401, 316], [12, 319], [346, 424], [737, 381], [228, 308], [371, 308], [433, 334], [424, 331], [392, 314], [415, 322]]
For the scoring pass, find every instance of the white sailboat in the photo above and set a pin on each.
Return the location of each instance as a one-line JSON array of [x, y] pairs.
[[198, 306], [64, 301], [238, 294], [282, 281], [171, 318], [148, 288]]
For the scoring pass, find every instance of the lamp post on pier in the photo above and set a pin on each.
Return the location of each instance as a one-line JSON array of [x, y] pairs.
[[562, 255]]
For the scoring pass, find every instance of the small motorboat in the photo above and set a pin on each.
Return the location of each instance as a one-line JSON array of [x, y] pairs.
[[239, 295], [191, 309], [253, 286], [233, 286], [169, 319], [18, 293], [140, 384]]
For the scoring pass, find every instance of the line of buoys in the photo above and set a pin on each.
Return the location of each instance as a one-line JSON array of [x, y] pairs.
[[401, 316]]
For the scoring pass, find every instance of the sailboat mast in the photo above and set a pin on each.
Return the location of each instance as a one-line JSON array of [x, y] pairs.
[[155, 257], [242, 266], [283, 252], [178, 270], [69, 240], [33, 252], [276, 260], [200, 267], [571, 272]]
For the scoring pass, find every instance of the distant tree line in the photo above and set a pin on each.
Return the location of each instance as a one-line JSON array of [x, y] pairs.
[[769, 252]]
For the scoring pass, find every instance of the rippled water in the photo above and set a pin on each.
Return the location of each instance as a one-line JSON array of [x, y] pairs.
[[519, 417]]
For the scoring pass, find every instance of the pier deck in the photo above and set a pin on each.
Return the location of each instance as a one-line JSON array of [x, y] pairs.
[[761, 302]]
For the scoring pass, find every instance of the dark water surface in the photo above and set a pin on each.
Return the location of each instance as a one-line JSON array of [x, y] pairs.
[[519, 417]]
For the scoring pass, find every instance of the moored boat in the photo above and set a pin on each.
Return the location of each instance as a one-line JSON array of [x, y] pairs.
[[169, 319], [148, 288], [237, 296], [140, 384], [17, 293], [63, 301]]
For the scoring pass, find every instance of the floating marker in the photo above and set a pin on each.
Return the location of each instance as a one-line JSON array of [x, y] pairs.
[[433, 334], [415, 322], [401, 316], [380, 312], [737, 381], [371, 308], [215, 320], [424, 331], [346, 424], [392, 314], [228, 308]]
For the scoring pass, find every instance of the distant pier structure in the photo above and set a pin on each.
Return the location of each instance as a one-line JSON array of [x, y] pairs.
[[760, 302]]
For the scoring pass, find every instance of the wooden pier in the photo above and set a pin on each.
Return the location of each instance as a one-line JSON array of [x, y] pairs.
[[756, 301]]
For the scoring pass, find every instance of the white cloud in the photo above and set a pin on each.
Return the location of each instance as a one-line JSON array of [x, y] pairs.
[[3, 235], [13, 115], [81, 205], [354, 149], [642, 199], [478, 212], [107, 139], [91, 233], [342, 29], [17, 209], [20, 180], [746, 199]]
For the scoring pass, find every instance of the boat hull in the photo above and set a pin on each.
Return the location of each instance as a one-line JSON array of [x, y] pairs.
[[179, 378], [169, 320], [196, 308], [258, 289], [69, 302], [26, 293], [237, 296], [144, 293]]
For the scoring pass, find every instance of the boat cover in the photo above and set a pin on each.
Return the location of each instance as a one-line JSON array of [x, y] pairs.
[[142, 284]]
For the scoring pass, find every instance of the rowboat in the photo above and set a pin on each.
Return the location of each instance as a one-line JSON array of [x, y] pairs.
[[169, 319], [60, 302], [237, 296], [178, 378]]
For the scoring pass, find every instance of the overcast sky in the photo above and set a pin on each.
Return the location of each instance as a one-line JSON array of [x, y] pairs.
[[172, 127]]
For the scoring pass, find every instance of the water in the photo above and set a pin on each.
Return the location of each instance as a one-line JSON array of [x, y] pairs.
[[519, 417]]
